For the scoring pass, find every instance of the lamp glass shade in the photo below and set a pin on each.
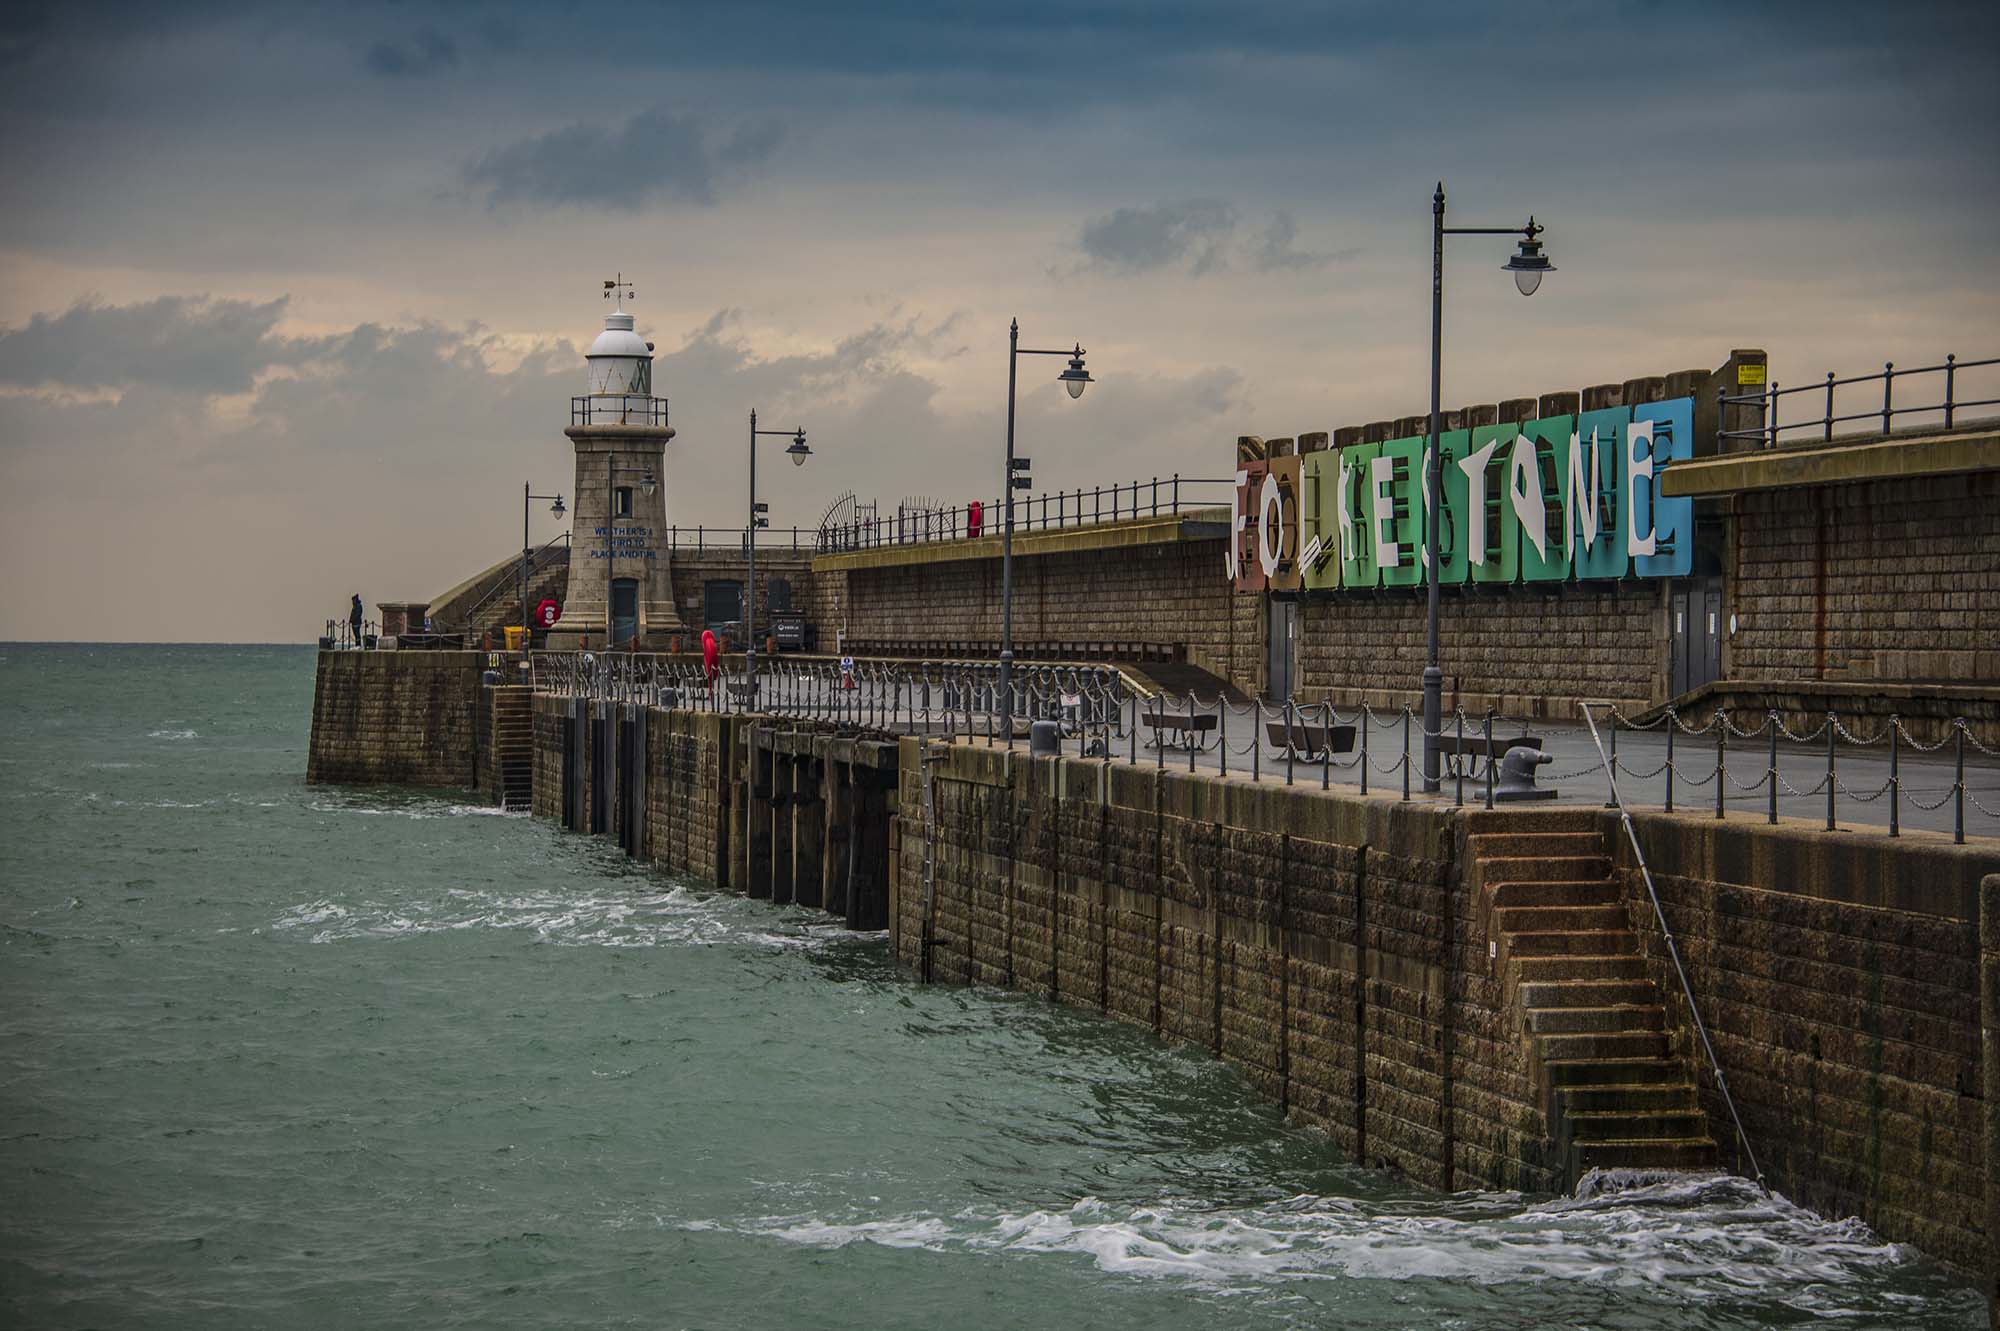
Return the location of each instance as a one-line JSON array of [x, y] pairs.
[[1075, 378], [1527, 279], [1528, 265], [649, 485], [557, 508]]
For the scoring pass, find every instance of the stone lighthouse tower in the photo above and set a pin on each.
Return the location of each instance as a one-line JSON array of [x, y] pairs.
[[621, 589]]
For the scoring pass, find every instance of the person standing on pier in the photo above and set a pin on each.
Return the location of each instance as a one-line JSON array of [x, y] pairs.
[[711, 661], [354, 618]]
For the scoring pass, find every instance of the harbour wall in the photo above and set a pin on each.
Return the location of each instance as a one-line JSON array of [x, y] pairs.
[[1346, 952]]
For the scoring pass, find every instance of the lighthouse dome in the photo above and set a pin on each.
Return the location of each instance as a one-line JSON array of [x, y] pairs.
[[620, 361]]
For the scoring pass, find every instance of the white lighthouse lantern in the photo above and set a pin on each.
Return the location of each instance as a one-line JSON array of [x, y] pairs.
[[621, 364]]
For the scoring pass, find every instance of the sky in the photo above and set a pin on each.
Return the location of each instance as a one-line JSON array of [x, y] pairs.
[[292, 297]]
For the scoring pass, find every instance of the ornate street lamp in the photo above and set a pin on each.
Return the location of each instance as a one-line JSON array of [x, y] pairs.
[[1075, 379], [1528, 264], [555, 510], [798, 453]]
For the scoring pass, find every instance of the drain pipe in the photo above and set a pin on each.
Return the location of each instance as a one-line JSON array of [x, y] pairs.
[[1673, 951]]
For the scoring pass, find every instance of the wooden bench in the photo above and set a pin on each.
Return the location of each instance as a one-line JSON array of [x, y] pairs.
[[1470, 752], [1309, 743], [1170, 731]]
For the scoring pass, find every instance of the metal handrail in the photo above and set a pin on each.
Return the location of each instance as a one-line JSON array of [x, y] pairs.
[[510, 583], [1674, 951], [1768, 430], [1050, 510]]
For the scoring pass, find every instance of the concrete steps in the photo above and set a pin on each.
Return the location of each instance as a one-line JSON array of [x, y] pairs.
[[1621, 1097], [514, 746]]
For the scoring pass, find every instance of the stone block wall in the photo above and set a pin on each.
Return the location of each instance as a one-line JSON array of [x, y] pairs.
[[1522, 651], [1890, 580], [815, 596], [688, 794], [1839, 976], [551, 759], [1320, 942], [1164, 600], [401, 718]]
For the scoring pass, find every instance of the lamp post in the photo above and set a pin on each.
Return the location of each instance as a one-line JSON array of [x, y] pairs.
[[555, 509], [1527, 264], [647, 484], [1075, 379], [798, 453]]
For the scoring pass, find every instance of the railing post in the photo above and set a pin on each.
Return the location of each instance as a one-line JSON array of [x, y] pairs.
[[1256, 735], [1326, 720], [1950, 372], [1362, 721], [1610, 797], [1159, 729], [1958, 782], [1406, 752], [1191, 730], [1489, 758], [1771, 774], [1291, 739], [1177, 492], [1831, 781], [1888, 383], [1721, 760], [1829, 406], [1458, 790], [1895, 777], [1156, 496], [1222, 727]]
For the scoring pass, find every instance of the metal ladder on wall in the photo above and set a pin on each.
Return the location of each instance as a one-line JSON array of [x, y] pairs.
[[933, 754]]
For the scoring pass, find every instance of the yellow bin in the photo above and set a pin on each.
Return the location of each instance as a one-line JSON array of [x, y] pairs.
[[515, 633]]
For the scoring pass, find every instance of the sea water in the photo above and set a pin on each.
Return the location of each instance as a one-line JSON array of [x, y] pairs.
[[282, 1055]]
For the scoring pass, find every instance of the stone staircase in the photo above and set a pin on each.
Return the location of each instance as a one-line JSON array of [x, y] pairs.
[[1618, 1094], [513, 746]]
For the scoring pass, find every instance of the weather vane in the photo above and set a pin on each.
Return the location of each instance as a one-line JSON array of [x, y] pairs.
[[619, 287]]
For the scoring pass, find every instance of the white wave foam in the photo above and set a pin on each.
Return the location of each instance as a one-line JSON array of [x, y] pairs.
[[170, 734], [552, 915], [1705, 1237]]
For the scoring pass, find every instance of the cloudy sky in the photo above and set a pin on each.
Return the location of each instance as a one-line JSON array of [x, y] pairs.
[[292, 297]]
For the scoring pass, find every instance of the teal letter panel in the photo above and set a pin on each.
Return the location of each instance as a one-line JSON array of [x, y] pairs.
[[1606, 556], [1671, 520]]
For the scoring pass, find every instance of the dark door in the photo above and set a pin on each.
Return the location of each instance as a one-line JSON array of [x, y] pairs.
[[1696, 633], [1283, 648], [624, 610], [722, 603]]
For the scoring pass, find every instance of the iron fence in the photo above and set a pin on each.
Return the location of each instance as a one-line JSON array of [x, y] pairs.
[[618, 409], [1771, 401]]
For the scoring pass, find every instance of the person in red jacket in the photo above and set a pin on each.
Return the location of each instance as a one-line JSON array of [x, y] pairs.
[[711, 660]]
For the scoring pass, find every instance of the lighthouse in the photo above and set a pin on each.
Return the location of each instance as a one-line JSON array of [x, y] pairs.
[[621, 589]]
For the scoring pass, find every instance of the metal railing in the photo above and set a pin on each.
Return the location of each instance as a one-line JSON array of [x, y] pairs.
[[1827, 738], [1101, 713], [1052, 510], [618, 409], [1880, 418], [1674, 951], [339, 634], [512, 581]]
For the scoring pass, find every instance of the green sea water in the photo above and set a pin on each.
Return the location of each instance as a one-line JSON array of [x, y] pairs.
[[274, 1055]]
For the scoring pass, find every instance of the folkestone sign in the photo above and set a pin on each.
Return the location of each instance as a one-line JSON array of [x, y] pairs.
[[1567, 498]]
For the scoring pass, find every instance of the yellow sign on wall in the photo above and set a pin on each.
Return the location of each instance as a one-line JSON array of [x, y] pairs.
[[1749, 374]]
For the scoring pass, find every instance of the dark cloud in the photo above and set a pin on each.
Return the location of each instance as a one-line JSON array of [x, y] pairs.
[[656, 154], [1276, 249], [190, 343], [426, 53], [1138, 240]]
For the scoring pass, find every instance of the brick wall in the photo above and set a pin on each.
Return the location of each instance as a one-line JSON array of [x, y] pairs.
[[692, 570], [403, 718], [1893, 580], [1839, 976], [687, 792], [1341, 969]]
